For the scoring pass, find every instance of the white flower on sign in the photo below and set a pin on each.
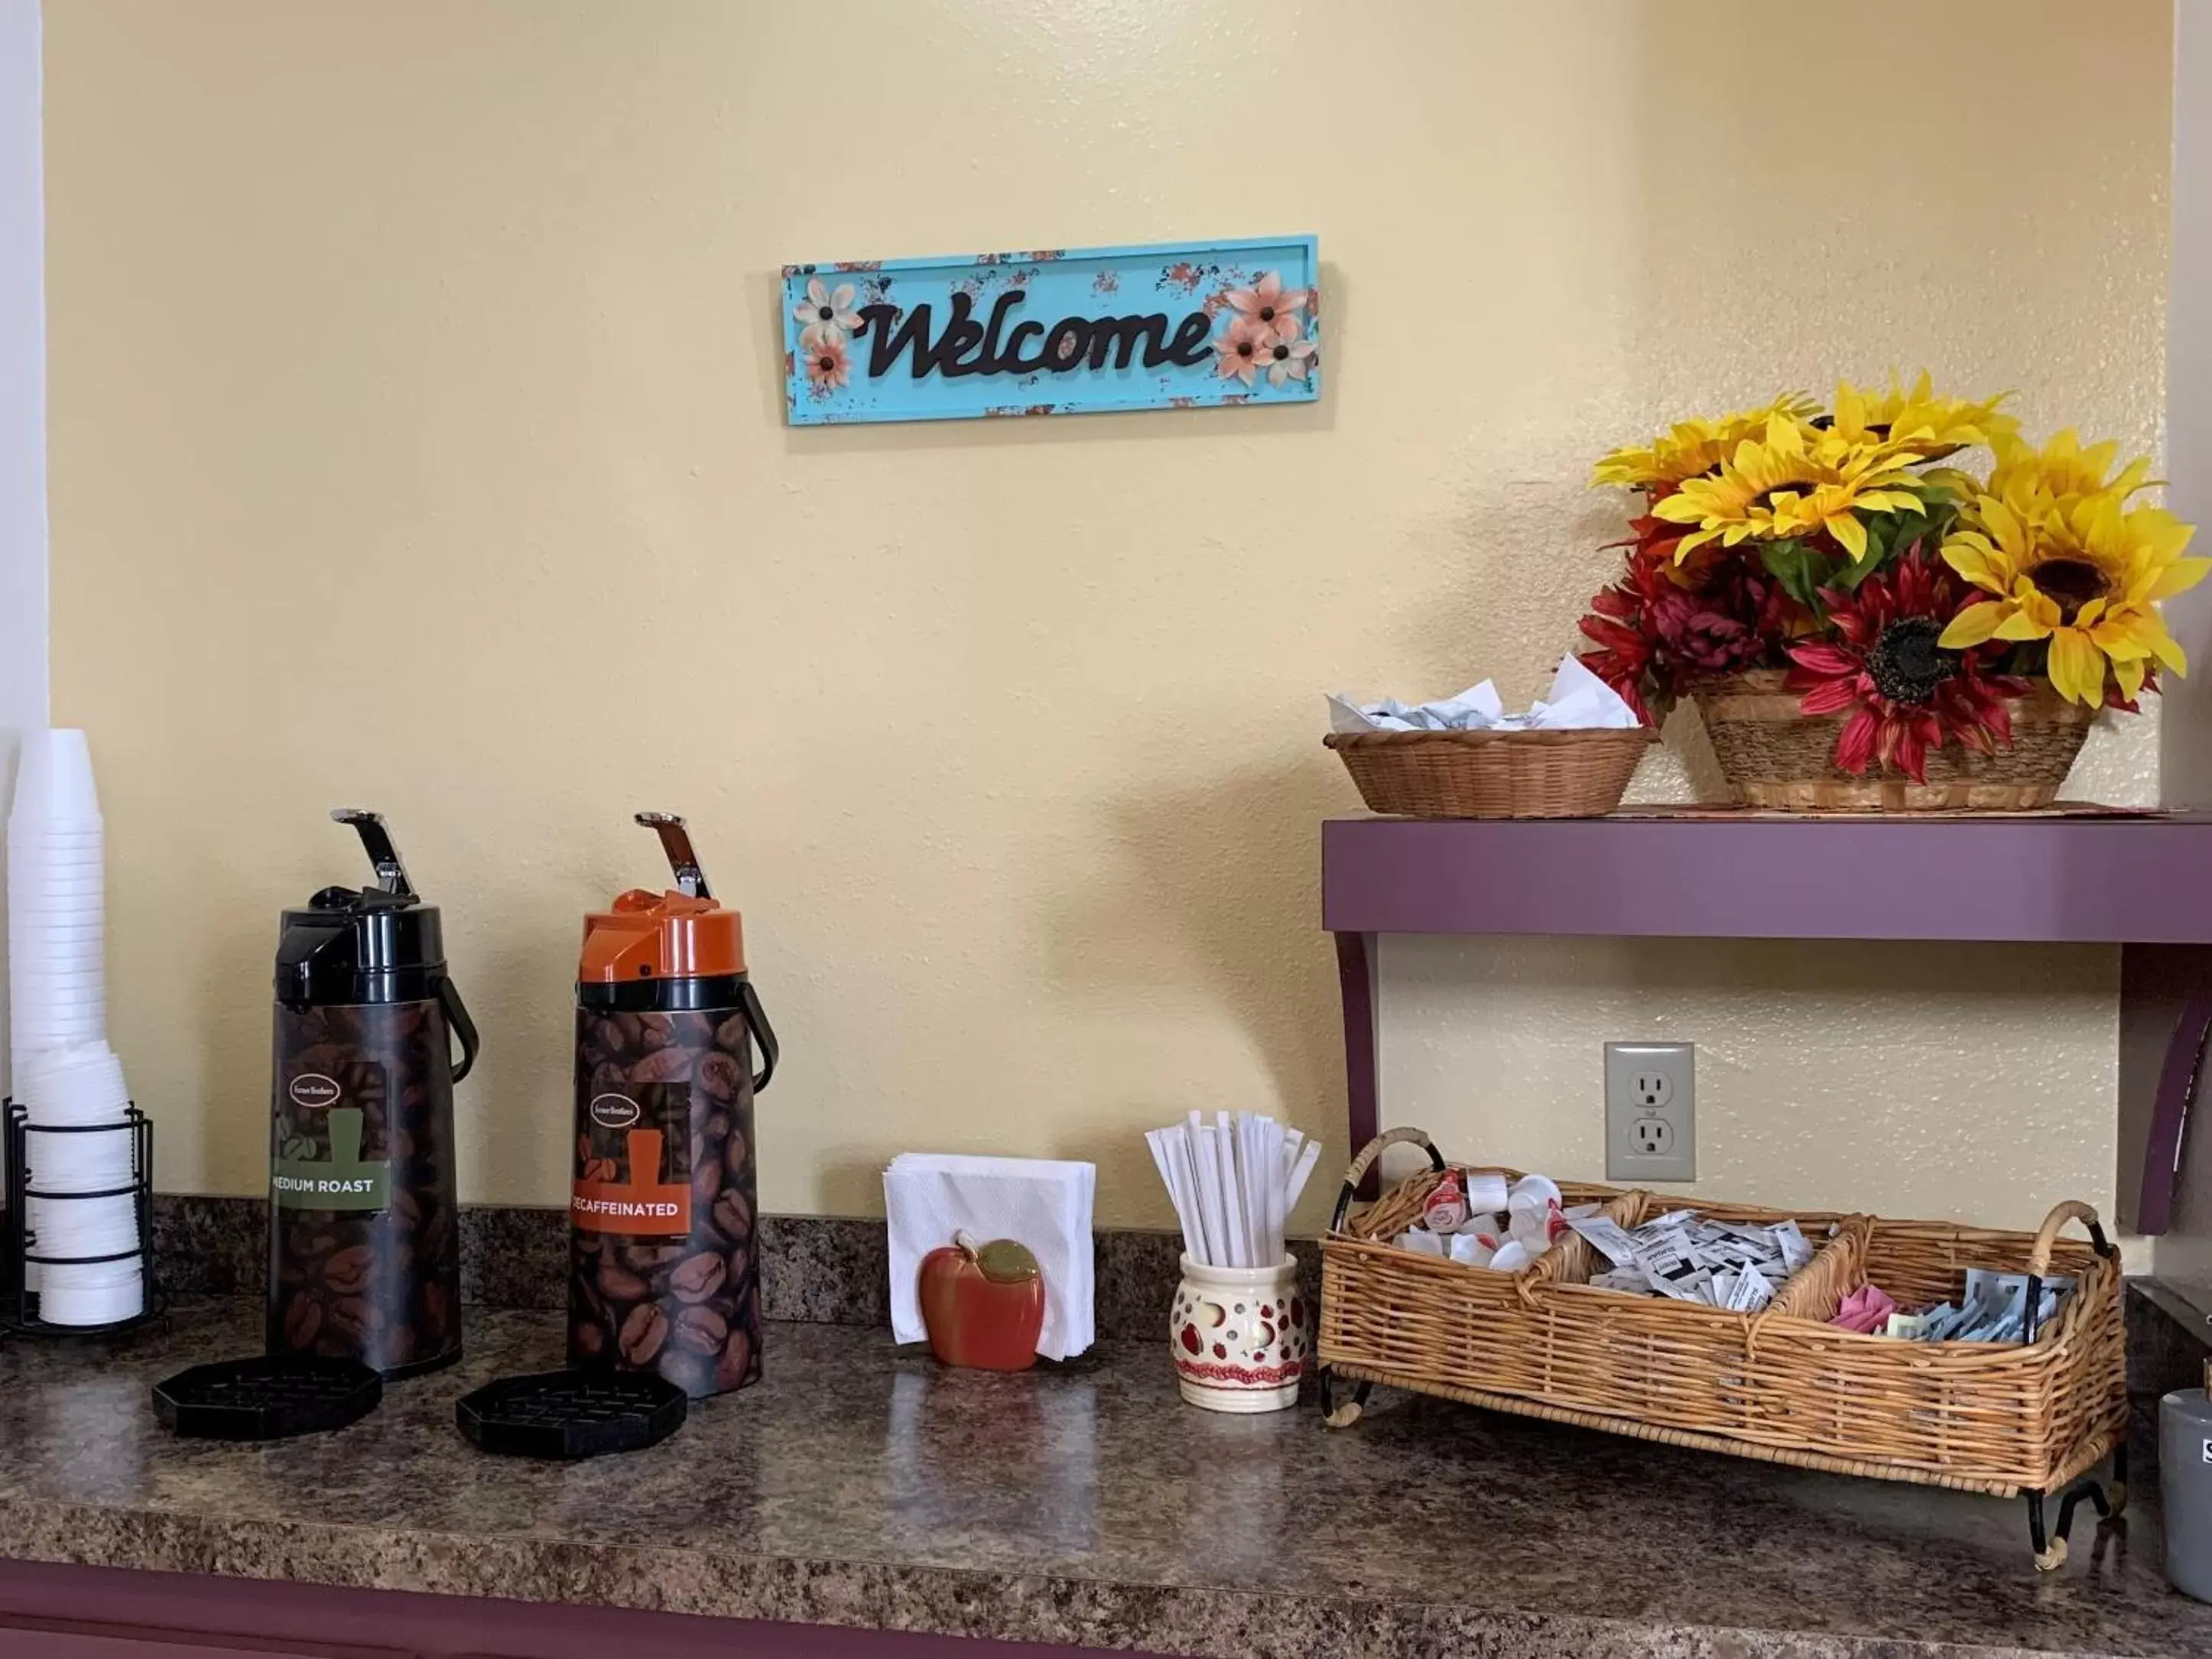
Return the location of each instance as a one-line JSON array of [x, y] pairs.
[[1290, 356], [826, 315]]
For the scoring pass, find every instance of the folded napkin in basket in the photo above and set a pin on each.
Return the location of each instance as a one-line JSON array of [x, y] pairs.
[[1578, 699], [1043, 1203]]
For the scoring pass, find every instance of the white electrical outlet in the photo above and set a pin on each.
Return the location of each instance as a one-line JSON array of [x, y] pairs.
[[1650, 1112]]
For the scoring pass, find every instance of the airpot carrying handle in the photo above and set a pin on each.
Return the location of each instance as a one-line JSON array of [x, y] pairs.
[[763, 1033], [457, 1019]]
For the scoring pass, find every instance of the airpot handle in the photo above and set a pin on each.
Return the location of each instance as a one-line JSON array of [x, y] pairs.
[[390, 874], [690, 880]]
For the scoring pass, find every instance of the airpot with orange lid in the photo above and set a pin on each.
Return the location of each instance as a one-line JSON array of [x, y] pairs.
[[663, 1274]]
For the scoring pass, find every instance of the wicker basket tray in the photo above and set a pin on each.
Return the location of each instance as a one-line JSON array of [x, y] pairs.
[[1493, 774], [1783, 1385]]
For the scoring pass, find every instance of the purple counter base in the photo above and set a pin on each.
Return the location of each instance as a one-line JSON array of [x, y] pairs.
[[2142, 882]]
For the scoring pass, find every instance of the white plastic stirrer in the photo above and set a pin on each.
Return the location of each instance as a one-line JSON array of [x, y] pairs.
[[1233, 1183]]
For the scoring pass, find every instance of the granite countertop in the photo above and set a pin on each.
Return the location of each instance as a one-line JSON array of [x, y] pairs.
[[861, 1485]]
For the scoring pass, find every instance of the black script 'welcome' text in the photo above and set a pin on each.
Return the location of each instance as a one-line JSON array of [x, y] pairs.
[[966, 346]]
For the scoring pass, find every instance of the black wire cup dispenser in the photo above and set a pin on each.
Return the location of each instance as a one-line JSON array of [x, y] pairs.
[[30, 1260]]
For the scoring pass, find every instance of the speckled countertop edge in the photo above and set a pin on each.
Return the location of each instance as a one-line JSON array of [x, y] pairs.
[[936, 1600]]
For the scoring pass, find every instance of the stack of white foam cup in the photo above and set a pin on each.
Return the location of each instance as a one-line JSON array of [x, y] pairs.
[[78, 1153], [57, 915]]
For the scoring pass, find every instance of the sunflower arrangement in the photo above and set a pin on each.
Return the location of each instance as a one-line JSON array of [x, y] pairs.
[[1914, 599]]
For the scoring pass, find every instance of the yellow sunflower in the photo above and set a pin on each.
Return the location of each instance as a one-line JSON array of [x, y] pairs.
[[1692, 447], [2085, 574], [1964, 487], [1917, 421], [2062, 470], [1791, 483]]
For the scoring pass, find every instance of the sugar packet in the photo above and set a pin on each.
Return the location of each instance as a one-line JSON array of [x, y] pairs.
[[1607, 1237]]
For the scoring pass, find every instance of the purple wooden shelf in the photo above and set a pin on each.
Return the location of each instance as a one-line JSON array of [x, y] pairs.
[[2142, 882], [2136, 880]]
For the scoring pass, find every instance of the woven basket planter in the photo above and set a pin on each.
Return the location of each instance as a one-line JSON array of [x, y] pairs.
[[1493, 774], [1774, 757]]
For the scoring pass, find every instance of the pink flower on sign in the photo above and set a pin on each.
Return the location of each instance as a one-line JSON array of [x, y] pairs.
[[827, 365], [1243, 347], [1267, 304], [826, 314], [1290, 357]]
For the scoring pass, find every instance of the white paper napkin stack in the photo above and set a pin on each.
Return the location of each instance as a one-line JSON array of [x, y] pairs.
[[1577, 699], [1042, 1202]]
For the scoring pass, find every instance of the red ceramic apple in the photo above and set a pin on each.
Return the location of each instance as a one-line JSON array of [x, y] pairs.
[[982, 1304]]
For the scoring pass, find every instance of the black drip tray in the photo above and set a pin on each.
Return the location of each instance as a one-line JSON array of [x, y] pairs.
[[266, 1398], [571, 1414]]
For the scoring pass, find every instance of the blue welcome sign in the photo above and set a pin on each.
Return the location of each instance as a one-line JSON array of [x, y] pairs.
[[1052, 331]]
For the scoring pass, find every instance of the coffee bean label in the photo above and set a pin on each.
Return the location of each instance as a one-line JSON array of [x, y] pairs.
[[614, 1111], [662, 1270], [365, 1243], [306, 1177], [630, 1215], [634, 1179], [311, 1192]]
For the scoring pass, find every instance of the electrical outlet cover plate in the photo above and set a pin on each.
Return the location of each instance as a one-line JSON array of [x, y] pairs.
[[1650, 1117]]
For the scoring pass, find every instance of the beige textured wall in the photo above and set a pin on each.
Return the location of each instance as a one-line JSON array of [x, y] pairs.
[[415, 440], [2185, 1253]]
